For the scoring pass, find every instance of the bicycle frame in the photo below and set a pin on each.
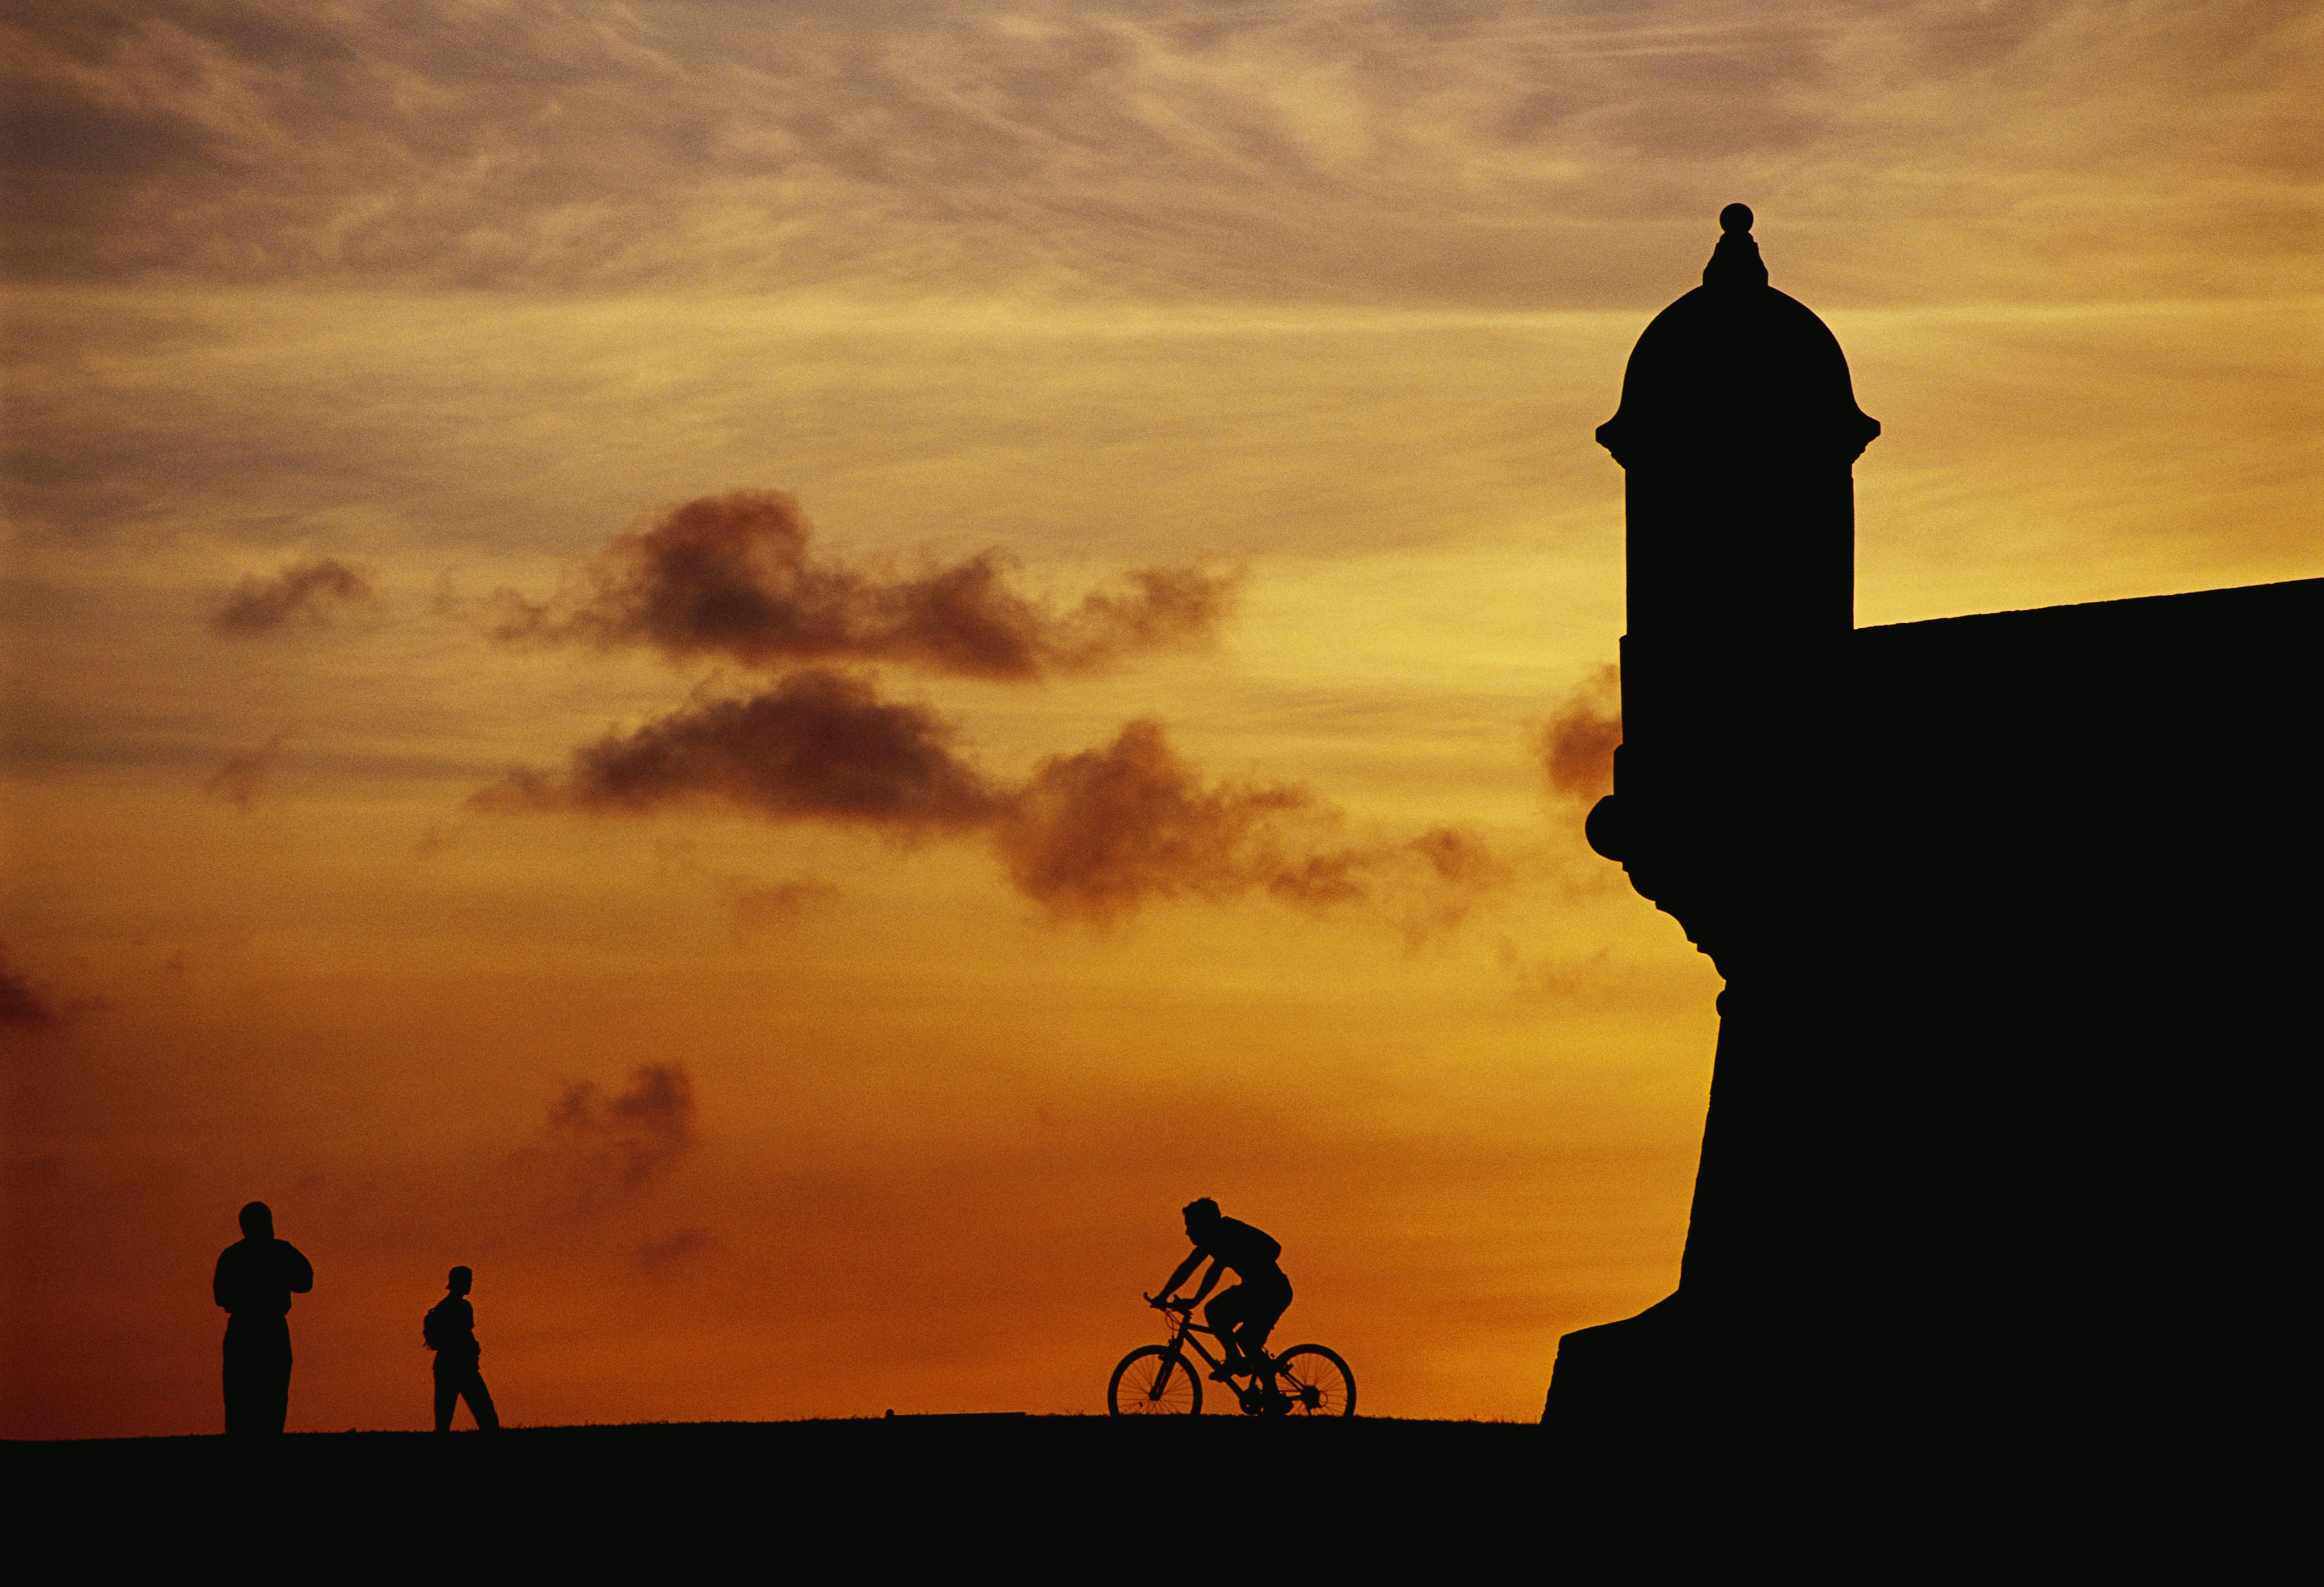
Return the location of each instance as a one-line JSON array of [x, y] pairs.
[[1184, 1328], [1184, 1334]]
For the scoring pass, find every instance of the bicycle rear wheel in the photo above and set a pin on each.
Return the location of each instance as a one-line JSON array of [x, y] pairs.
[[1317, 1381], [1154, 1381]]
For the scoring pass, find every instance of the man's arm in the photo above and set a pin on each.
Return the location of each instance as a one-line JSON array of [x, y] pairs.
[[1194, 1260], [298, 1272], [218, 1291], [1211, 1278]]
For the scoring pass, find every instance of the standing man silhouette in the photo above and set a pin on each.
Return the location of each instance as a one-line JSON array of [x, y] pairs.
[[257, 1277], [450, 1330], [1248, 1311]]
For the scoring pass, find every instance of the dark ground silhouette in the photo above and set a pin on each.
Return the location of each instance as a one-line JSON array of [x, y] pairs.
[[1137, 1500], [2017, 915], [1147, 1500], [255, 1278]]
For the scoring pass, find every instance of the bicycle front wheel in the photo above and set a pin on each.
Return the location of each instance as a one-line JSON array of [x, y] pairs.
[[1154, 1381], [1317, 1381]]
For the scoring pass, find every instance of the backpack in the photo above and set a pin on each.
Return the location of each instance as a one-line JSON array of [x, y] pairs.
[[433, 1329], [1257, 1245]]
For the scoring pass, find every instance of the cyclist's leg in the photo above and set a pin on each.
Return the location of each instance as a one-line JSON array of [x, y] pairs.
[[1224, 1314], [1262, 1311]]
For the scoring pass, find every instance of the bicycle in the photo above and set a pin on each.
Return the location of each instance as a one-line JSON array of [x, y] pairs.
[[1157, 1380]]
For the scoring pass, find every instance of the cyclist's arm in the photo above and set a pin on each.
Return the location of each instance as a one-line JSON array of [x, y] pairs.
[[1194, 1260], [1209, 1279]]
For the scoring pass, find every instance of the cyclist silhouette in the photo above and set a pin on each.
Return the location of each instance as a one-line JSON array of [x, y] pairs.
[[1248, 1311]]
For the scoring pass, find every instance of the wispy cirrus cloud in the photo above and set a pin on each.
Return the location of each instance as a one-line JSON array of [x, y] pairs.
[[1393, 150]]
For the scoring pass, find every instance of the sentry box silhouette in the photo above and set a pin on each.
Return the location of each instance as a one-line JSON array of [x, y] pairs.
[[2017, 917]]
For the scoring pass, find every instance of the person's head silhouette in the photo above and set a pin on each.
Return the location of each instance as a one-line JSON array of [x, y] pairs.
[[460, 1281], [1202, 1214], [258, 1221]]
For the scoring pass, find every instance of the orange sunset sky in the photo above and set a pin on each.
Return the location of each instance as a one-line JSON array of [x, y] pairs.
[[777, 671]]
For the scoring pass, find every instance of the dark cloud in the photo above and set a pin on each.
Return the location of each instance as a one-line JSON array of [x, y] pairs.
[[258, 606], [1553, 980], [682, 1245], [24, 1004], [760, 908], [28, 1006], [607, 1150], [1577, 748], [731, 576], [1453, 869], [246, 776], [1089, 836], [819, 746], [1096, 835]]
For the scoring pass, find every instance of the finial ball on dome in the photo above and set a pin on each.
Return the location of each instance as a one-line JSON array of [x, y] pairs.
[[1735, 217]]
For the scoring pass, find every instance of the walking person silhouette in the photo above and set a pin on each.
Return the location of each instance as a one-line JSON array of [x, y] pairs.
[[255, 1278], [1248, 1311], [450, 1330]]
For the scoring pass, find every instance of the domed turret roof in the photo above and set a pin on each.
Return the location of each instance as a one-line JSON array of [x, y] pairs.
[[1736, 367]]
